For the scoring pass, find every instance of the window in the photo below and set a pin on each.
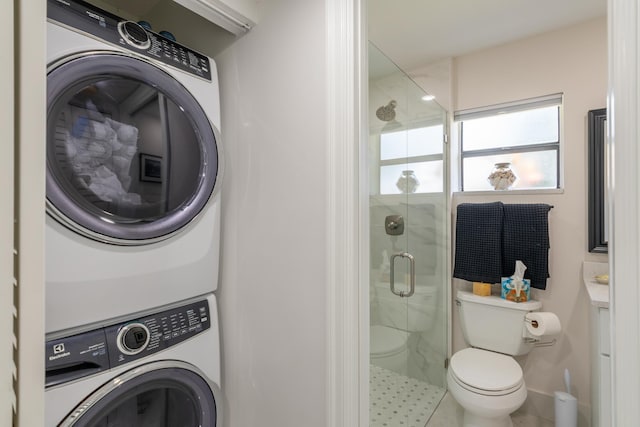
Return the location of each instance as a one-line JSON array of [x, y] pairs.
[[418, 150], [525, 134]]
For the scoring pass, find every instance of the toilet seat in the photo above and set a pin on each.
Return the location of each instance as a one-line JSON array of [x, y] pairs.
[[387, 341], [485, 372]]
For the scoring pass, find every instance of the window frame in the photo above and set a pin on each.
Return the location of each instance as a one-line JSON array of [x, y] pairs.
[[511, 107], [410, 159]]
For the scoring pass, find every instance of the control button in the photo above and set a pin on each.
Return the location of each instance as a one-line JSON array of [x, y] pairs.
[[133, 338], [134, 34]]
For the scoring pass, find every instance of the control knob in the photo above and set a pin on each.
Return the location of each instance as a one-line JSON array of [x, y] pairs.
[[133, 338], [134, 34]]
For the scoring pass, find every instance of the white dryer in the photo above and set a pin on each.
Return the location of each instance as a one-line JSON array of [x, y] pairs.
[[133, 168], [158, 369]]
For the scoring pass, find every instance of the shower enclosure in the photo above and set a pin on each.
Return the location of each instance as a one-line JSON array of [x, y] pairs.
[[408, 247]]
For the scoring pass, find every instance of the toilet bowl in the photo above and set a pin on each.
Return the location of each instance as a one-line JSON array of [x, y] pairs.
[[488, 385], [389, 348]]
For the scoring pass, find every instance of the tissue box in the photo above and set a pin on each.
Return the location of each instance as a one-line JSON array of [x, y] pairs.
[[509, 293]]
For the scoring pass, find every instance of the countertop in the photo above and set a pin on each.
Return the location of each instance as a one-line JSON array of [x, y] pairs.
[[598, 293]]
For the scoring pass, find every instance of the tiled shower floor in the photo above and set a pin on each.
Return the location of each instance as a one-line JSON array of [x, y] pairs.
[[399, 401]]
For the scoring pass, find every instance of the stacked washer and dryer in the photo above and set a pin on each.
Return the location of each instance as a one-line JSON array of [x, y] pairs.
[[133, 225]]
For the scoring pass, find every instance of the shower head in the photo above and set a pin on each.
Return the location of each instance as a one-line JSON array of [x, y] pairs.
[[387, 112]]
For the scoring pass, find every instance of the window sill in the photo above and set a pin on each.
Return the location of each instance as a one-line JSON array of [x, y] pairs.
[[531, 192]]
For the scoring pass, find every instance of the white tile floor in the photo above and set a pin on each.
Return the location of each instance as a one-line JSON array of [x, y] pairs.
[[449, 414], [400, 401]]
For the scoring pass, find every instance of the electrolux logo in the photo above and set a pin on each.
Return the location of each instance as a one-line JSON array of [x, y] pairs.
[[59, 352]]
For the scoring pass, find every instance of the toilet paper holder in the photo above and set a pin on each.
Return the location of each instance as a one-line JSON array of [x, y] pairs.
[[537, 343], [529, 339]]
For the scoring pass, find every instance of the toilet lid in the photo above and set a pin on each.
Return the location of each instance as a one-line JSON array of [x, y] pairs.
[[387, 340], [486, 370]]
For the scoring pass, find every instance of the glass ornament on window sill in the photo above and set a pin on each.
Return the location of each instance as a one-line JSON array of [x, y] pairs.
[[502, 176], [407, 183]]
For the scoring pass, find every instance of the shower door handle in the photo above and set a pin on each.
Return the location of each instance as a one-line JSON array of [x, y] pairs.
[[412, 274]]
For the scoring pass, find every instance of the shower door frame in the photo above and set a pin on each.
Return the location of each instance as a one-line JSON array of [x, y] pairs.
[[347, 377], [411, 200]]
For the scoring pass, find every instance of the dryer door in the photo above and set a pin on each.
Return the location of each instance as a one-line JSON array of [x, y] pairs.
[[131, 156], [159, 394]]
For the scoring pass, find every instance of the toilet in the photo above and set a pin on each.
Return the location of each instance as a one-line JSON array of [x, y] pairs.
[[397, 318], [485, 379]]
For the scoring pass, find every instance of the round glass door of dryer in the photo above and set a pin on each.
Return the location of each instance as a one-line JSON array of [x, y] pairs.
[[131, 156], [164, 393]]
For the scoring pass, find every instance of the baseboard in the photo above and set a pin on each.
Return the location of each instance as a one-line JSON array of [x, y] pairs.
[[542, 405]]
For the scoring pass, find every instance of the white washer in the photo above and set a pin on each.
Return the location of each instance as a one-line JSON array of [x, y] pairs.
[[152, 369], [133, 168]]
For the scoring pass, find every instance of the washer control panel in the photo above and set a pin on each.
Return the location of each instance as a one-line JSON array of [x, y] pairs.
[[88, 353], [150, 334], [128, 35]]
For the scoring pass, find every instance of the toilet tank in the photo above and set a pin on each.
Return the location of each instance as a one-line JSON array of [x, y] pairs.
[[493, 323], [412, 314]]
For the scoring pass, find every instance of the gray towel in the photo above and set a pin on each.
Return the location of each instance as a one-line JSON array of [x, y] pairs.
[[479, 242], [525, 237]]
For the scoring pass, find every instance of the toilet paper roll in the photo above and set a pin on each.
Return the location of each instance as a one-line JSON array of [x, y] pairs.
[[543, 324]]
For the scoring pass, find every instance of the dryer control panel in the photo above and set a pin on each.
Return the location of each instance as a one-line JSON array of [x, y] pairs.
[[88, 353], [128, 35]]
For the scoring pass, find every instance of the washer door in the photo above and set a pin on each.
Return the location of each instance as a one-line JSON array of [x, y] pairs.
[[131, 156], [159, 394]]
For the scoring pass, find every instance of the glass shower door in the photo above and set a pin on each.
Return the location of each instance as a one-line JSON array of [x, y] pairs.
[[408, 247]]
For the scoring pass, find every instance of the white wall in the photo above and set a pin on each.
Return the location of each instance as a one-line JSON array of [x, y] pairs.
[[624, 133], [273, 276], [572, 61], [30, 139], [7, 394]]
